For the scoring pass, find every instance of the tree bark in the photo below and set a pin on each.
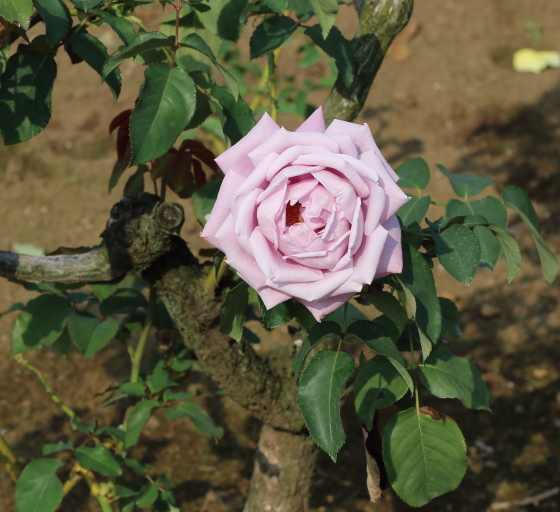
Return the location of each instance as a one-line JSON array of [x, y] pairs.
[[284, 467]]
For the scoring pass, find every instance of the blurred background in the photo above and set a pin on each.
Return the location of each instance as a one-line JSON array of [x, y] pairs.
[[448, 92]]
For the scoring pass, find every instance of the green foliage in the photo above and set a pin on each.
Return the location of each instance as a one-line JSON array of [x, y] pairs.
[[38, 488], [450, 325], [136, 420], [490, 208], [415, 210], [232, 313], [509, 249], [319, 389], [200, 419], [99, 459], [388, 305], [326, 11], [319, 332], [414, 173], [17, 10], [56, 17], [103, 333], [270, 34], [466, 185]]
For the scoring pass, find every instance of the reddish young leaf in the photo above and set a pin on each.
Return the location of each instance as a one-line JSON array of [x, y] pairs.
[[123, 143], [199, 175], [162, 165], [206, 156], [181, 180], [119, 119]]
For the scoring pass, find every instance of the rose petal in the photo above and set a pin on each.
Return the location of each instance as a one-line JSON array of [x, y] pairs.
[[314, 123], [321, 308], [270, 211], [270, 296], [375, 205], [359, 133], [246, 220], [391, 261], [236, 158], [343, 192], [345, 143]]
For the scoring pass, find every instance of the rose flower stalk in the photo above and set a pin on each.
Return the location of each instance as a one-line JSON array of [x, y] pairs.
[[308, 214]]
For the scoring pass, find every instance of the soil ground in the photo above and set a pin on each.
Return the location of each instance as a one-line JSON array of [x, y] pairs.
[[450, 95]]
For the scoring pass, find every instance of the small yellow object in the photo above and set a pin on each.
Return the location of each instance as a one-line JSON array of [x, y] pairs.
[[532, 61]]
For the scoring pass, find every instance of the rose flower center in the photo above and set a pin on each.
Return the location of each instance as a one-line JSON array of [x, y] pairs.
[[292, 214]]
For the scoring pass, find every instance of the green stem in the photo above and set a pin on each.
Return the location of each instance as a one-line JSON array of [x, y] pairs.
[[402, 299], [438, 203], [104, 504], [212, 280], [137, 360], [10, 461], [272, 87]]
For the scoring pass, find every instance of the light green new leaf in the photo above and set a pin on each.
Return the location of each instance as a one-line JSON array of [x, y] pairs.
[[446, 375], [17, 10], [166, 103], [232, 312], [57, 19], [25, 96], [103, 333], [271, 34], [466, 185], [458, 250], [424, 454], [40, 322], [38, 488], [378, 384], [490, 250], [99, 459], [136, 420], [519, 201], [319, 389], [415, 210], [326, 11], [414, 173], [320, 331], [510, 250]]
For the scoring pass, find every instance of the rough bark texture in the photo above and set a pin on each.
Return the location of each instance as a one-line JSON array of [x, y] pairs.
[[284, 467], [380, 23]]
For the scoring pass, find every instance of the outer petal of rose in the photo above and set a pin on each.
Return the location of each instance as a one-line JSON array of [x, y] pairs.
[[236, 257], [391, 261], [284, 139], [345, 143], [236, 159], [314, 123], [222, 208], [246, 220], [275, 268], [375, 204], [271, 297], [270, 211], [359, 133], [321, 308]]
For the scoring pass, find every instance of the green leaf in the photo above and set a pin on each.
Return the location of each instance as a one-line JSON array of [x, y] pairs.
[[224, 19], [86, 4], [102, 291], [414, 173], [56, 447], [40, 322], [336, 46], [38, 489], [519, 202], [278, 315], [446, 375], [238, 114], [148, 496], [379, 342], [142, 43], [510, 250], [415, 210], [277, 5], [76, 424], [326, 11], [466, 185], [489, 207], [319, 389], [378, 384], [123, 28], [81, 326], [25, 96], [232, 312], [165, 105], [4, 56], [450, 325], [159, 380], [203, 200], [418, 278], [490, 250], [62, 345], [94, 52], [200, 419], [127, 489], [124, 300], [99, 459], [424, 454], [102, 334], [136, 420], [389, 305], [353, 314], [169, 395], [271, 34], [17, 10], [133, 388], [57, 19], [458, 250], [319, 332]]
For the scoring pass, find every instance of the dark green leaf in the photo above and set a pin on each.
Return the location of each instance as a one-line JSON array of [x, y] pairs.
[[57, 19], [148, 496], [17, 10], [62, 345], [165, 105], [135, 466], [4, 56], [278, 315], [25, 96], [133, 388], [238, 114], [115, 432], [389, 305], [448, 376], [415, 210], [41, 322], [489, 207], [159, 380], [127, 505], [142, 43], [518, 201], [277, 5], [353, 314], [135, 184], [103, 334], [232, 312], [93, 51], [224, 20], [124, 300], [102, 291], [319, 332], [458, 250], [203, 110], [490, 250], [200, 419], [99, 459], [414, 173], [86, 4], [38, 488], [378, 384], [123, 28], [379, 342], [336, 46], [424, 454], [450, 325], [169, 395], [81, 326], [271, 34], [326, 13], [319, 388], [510, 250], [127, 489], [57, 447], [136, 420], [466, 185], [203, 200], [82, 427]]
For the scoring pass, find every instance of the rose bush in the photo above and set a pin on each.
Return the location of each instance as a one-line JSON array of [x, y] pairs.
[[308, 214]]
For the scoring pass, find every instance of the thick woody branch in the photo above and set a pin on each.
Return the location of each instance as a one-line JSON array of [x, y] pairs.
[[380, 22]]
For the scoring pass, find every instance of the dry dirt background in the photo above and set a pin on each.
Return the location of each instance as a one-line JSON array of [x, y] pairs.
[[454, 99]]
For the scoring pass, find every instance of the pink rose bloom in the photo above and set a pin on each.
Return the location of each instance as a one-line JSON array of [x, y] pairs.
[[308, 214]]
